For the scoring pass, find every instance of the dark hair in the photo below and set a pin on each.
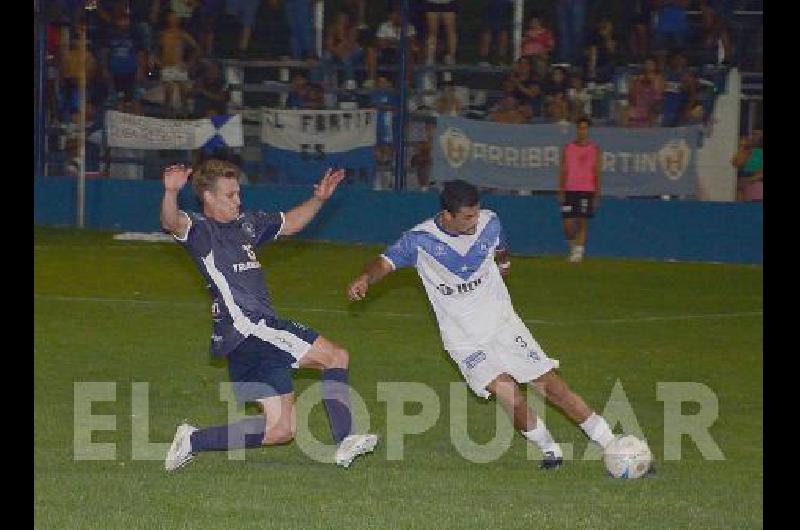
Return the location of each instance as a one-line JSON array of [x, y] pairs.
[[584, 119], [458, 194]]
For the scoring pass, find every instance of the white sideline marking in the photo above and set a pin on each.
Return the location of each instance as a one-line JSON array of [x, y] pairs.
[[653, 318]]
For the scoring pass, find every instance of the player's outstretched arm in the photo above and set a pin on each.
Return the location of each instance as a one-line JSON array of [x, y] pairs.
[[373, 272], [298, 217], [172, 220]]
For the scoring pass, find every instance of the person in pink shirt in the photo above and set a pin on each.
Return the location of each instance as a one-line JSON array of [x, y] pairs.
[[538, 40], [579, 188]]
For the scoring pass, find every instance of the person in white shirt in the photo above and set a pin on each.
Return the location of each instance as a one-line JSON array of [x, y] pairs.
[[461, 256]]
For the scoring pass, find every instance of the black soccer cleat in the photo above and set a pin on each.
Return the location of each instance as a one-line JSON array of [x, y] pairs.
[[551, 461]]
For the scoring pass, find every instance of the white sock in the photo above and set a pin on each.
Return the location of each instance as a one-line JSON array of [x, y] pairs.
[[597, 429], [543, 439], [579, 250]]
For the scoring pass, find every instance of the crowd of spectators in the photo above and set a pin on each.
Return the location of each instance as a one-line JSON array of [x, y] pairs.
[[643, 68]]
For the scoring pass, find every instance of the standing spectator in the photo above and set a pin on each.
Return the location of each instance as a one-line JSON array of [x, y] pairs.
[[645, 97], [123, 61], [579, 188], [437, 12], [671, 26], [604, 54], [384, 100], [538, 40], [69, 73], [205, 21], [496, 20], [555, 95], [718, 20], [174, 61], [300, 17], [637, 19], [579, 100], [386, 47], [245, 11], [680, 92], [341, 45], [571, 15], [749, 163]]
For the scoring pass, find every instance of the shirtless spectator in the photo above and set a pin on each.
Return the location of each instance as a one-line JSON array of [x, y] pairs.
[[174, 61]]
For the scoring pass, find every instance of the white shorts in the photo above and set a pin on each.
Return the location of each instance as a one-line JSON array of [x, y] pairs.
[[174, 73], [511, 350]]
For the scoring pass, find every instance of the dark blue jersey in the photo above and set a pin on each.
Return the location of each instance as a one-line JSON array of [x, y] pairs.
[[225, 255]]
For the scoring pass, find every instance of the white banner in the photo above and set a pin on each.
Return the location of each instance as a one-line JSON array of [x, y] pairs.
[[141, 132], [334, 131]]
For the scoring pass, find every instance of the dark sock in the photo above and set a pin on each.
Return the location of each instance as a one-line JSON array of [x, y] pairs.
[[336, 397], [245, 433]]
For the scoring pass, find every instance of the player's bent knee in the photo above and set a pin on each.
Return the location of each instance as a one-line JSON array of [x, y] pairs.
[[279, 435], [340, 358]]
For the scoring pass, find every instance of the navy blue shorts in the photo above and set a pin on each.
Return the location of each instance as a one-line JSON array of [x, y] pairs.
[[260, 369]]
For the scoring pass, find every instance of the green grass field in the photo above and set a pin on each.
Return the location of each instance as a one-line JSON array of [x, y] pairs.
[[133, 312]]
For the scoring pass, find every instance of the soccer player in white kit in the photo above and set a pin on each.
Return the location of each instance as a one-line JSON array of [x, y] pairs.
[[461, 257]]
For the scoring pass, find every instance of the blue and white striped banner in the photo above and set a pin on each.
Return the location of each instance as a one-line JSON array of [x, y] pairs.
[[299, 145]]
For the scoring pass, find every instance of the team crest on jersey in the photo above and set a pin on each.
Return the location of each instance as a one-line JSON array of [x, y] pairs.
[[439, 250]]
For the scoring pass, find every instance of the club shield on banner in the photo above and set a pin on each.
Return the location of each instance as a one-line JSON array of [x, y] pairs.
[[636, 162], [299, 145]]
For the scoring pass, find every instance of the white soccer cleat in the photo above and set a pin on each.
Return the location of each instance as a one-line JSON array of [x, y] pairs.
[[353, 446], [180, 452]]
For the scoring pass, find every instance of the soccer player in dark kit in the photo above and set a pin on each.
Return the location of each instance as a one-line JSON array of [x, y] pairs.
[[261, 349]]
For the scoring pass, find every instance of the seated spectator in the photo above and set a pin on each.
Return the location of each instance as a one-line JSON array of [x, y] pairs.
[[509, 109], [437, 12], [316, 97], [299, 92], [210, 94], [749, 163], [527, 88], [579, 100], [603, 55], [175, 61], [496, 21], [555, 95], [341, 45], [123, 62], [448, 104], [385, 50], [645, 97], [680, 92], [538, 41], [671, 29]]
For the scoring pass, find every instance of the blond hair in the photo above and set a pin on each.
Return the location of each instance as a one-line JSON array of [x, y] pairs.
[[206, 174]]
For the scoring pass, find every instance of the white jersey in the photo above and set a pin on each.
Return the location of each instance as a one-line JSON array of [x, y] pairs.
[[459, 273]]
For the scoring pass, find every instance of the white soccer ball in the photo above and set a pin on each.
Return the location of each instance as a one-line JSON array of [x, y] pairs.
[[627, 457]]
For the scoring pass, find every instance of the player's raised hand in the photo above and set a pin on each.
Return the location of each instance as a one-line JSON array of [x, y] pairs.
[[328, 184], [175, 176], [357, 289]]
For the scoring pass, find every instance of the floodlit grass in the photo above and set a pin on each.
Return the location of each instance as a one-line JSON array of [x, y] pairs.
[[128, 312]]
